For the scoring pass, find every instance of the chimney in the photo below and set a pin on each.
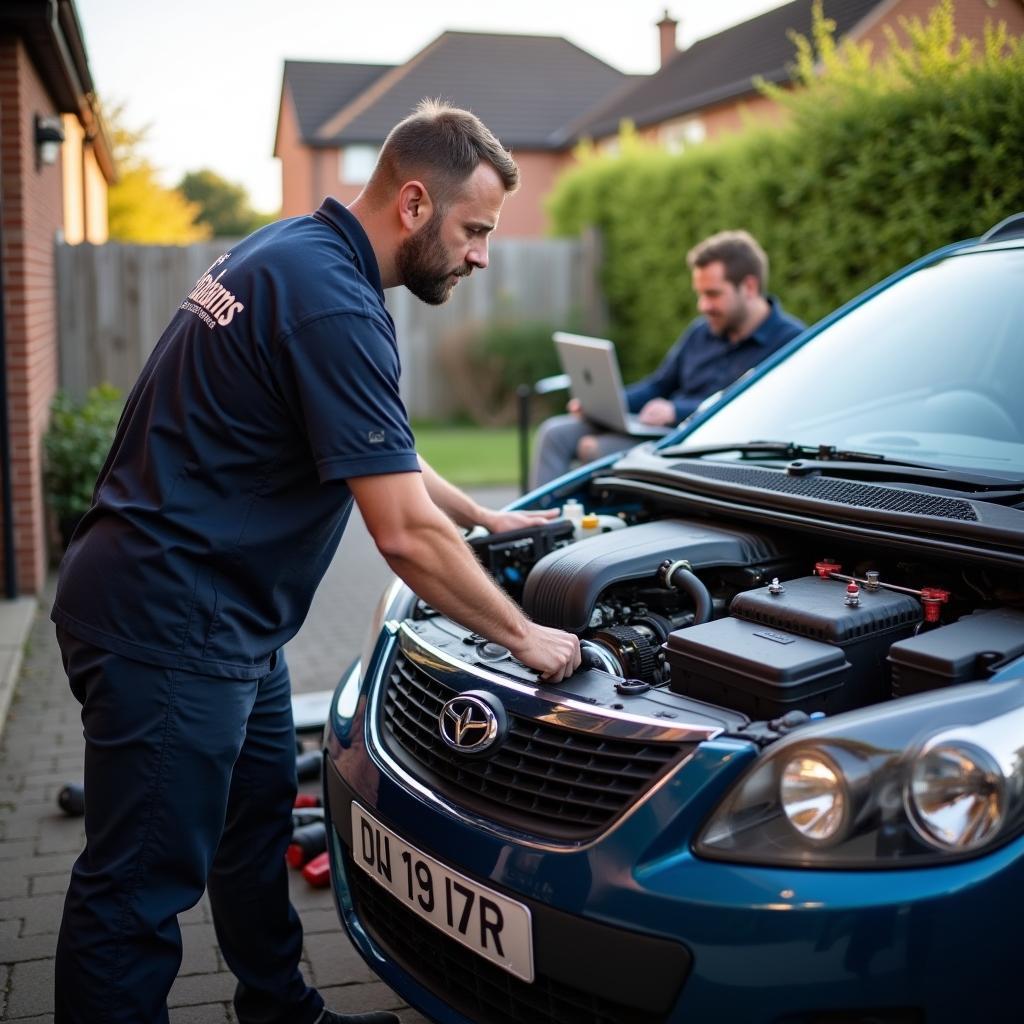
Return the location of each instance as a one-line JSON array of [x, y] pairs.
[[667, 38]]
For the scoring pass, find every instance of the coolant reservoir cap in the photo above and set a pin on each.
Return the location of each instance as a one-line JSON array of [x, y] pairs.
[[589, 521]]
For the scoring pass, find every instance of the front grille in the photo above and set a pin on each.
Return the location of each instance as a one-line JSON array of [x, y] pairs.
[[476, 988], [543, 779], [842, 492]]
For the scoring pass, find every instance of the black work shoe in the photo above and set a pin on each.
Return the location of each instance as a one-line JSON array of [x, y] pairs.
[[373, 1017]]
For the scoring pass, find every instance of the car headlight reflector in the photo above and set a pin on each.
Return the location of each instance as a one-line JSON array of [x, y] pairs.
[[814, 798], [956, 795]]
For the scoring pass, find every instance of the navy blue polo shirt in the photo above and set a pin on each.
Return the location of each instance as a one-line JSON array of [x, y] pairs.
[[702, 362], [224, 497]]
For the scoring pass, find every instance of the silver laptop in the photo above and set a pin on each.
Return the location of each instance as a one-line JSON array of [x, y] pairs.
[[594, 379]]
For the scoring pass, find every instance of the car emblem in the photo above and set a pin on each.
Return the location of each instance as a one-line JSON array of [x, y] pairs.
[[472, 722]]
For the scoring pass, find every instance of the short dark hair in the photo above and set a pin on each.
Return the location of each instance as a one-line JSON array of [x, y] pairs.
[[443, 145], [737, 251]]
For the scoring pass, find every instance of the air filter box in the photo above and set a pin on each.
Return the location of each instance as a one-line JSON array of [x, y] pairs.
[[970, 648]]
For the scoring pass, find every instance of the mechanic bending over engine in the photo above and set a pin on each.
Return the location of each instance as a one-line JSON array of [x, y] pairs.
[[269, 403], [739, 325]]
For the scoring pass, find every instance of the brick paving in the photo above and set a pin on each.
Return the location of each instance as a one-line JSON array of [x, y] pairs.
[[42, 748]]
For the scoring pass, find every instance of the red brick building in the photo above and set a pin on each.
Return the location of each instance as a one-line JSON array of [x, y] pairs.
[[55, 165]]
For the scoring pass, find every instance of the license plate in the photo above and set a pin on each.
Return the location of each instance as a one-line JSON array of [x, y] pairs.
[[485, 921]]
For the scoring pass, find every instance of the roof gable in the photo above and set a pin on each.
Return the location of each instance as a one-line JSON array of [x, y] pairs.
[[527, 89], [320, 88], [723, 66]]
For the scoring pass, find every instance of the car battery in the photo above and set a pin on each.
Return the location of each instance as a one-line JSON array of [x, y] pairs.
[[971, 648], [760, 672], [861, 628]]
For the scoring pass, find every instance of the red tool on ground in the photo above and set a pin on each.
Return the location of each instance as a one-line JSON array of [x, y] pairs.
[[318, 872]]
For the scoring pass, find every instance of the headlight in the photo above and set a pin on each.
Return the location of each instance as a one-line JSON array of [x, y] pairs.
[[924, 779], [813, 795], [956, 795]]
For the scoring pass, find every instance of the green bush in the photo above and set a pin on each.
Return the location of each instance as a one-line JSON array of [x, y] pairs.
[[520, 351], [76, 446], [877, 163], [486, 364]]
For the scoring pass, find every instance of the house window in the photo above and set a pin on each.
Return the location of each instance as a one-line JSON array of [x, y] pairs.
[[357, 163], [678, 135]]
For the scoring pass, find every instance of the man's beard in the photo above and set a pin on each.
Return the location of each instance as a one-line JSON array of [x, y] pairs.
[[422, 263], [734, 320]]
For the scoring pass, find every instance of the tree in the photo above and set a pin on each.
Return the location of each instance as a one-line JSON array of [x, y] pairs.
[[223, 205], [139, 208]]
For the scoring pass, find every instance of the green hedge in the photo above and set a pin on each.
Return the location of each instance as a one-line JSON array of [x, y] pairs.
[[878, 163]]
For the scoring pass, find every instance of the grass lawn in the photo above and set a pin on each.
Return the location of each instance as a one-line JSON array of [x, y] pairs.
[[470, 456]]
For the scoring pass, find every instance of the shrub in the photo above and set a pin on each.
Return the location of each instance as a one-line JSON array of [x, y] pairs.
[[486, 364], [76, 446], [877, 163]]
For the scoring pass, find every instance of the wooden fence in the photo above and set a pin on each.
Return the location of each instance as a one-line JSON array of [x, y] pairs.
[[114, 301]]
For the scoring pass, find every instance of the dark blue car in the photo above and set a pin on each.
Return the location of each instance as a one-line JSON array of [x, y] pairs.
[[788, 783]]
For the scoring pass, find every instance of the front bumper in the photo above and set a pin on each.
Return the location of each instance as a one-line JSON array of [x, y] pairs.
[[632, 928]]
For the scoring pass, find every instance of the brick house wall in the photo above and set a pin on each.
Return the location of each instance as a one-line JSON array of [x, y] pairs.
[[32, 207], [85, 187], [524, 214], [308, 175], [296, 162]]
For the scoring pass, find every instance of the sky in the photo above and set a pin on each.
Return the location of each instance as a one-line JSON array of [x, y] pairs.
[[205, 76]]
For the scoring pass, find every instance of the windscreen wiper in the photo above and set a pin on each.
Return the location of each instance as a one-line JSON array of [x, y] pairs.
[[773, 450], [806, 460]]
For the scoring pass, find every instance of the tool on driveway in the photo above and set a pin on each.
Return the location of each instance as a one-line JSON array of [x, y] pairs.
[[307, 766], [308, 842], [71, 799], [318, 872], [302, 816]]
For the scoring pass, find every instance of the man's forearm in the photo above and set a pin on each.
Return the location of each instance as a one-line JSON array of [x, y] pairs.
[[455, 504], [439, 566]]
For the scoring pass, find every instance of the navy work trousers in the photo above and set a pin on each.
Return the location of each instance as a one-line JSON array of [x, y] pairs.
[[189, 784]]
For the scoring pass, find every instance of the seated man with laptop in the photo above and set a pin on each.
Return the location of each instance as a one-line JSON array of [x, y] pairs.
[[739, 325]]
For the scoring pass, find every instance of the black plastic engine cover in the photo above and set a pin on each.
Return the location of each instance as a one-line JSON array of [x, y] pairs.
[[563, 587]]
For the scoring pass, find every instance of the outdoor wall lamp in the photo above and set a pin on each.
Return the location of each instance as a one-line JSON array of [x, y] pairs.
[[49, 135]]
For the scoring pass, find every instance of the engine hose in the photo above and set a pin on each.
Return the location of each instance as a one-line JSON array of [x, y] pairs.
[[679, 576]]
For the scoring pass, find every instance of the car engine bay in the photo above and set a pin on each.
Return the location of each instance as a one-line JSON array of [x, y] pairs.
[[713, 619]]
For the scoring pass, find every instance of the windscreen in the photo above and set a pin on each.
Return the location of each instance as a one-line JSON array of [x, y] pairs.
[[930, 369]]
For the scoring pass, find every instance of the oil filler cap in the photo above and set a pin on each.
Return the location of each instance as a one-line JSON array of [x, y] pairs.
[[492, 652], [630, 687]]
